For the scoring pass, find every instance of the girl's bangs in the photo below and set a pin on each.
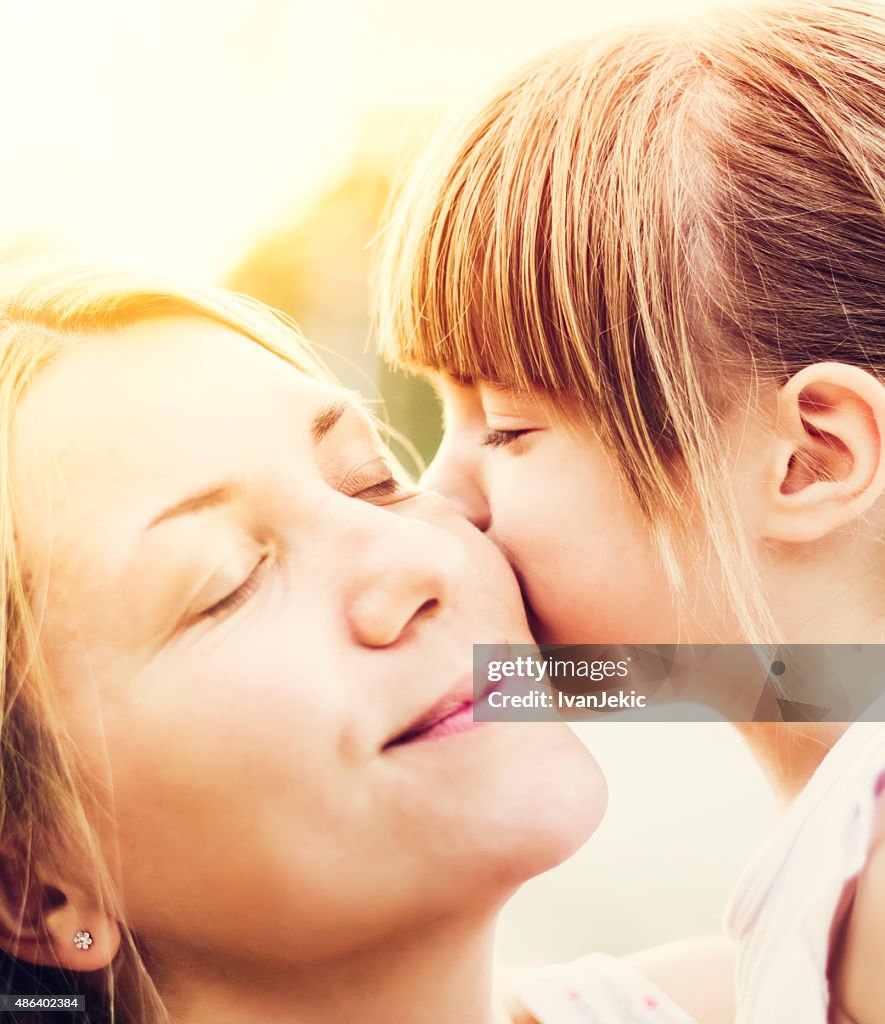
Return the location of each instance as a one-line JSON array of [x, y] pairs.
[[470, 285]]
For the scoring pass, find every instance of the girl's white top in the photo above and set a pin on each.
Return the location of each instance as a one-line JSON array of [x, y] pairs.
[[783, 908], [596, 989]]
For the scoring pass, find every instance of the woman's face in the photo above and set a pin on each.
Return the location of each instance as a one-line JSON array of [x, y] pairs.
[[244, 614], [551, 499]]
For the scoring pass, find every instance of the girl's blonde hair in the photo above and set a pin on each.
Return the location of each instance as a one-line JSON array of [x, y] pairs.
[[652, 222], [46, 813]]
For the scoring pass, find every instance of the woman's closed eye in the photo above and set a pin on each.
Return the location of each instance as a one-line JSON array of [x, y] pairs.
[[385, 488], [374, 481], [239, 595]]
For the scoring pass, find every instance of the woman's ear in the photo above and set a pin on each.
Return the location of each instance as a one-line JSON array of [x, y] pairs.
[[49, 922], [826, 466]]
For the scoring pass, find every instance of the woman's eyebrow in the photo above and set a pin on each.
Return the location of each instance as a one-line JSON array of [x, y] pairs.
[[219, 494], [208, 498], [326, 419]]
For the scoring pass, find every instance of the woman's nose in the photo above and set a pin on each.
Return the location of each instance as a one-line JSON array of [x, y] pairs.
[[454, 473], [406, 571]]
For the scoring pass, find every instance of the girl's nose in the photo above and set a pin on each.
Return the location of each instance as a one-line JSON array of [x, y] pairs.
[[455, 475]]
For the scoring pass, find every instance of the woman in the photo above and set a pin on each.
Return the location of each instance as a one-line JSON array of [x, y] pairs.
[[240, 777]]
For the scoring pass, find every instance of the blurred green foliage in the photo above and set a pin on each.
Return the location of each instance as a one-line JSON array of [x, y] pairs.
[[317, 269]]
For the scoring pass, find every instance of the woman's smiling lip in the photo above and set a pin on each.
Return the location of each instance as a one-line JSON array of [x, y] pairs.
[[455, 720], [450, 715], [453, 713]]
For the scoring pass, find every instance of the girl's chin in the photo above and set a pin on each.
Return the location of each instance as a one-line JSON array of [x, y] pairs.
[[545, 629]]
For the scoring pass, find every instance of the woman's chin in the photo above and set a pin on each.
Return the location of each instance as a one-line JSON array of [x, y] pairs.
[[554, 800], [493, 808]]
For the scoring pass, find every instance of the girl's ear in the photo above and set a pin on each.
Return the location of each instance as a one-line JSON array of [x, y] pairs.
[[51, 923], [827, 462]]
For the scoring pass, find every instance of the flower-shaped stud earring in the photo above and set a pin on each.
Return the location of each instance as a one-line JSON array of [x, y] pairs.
[[82, 940]]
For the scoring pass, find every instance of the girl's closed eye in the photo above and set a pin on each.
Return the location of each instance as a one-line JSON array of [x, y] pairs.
[[509, 417], [494, 437]]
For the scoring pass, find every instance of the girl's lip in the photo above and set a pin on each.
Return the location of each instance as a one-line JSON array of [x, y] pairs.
[[535, 624]]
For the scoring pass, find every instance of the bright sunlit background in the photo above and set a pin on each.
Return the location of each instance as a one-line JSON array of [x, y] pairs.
[[175, 134], [253, 143]]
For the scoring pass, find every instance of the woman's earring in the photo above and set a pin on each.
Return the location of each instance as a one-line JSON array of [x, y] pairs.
[[82, 940]]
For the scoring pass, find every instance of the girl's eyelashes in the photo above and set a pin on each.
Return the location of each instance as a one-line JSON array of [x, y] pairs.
[[239, 596], [495, 438]]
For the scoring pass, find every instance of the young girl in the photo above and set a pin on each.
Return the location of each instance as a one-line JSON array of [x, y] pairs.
[[648, 278]]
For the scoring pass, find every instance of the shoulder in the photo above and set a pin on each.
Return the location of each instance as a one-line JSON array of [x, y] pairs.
[[508, 1004], [697, 974], [858, 983], [596, 989]]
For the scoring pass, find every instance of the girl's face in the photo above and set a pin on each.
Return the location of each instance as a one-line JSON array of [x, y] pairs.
[[247, 617], [553, 502]]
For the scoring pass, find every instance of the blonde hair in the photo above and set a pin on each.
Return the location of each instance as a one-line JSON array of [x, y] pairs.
[[653, 222], [45, 809]]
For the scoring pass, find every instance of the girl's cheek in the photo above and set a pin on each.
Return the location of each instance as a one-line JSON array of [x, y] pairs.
[[532, 501], [521, 525]]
